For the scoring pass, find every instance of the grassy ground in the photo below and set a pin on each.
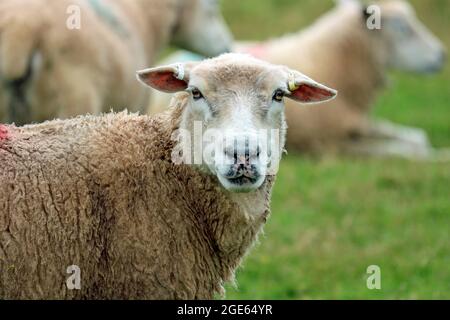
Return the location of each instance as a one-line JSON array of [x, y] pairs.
[[334, 217]]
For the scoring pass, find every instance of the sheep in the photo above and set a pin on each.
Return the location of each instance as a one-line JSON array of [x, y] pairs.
[[113, 197], [339, 50], [79, 56]]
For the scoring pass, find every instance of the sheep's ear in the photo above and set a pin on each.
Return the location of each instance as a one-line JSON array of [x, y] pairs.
[[170, 78], [306, 90]]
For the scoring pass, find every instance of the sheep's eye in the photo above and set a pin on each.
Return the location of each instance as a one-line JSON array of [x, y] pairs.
[[402, 27], [278, 95], [196, 94]]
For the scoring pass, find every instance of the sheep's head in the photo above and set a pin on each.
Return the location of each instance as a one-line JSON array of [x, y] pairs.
[[405, 42], [411, 46], [233, 123], [201, 28]]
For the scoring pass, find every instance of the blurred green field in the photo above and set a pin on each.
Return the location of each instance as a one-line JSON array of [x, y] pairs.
[[333, 217]]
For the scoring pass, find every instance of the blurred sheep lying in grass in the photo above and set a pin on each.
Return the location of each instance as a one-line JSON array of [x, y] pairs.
[[341, 51]]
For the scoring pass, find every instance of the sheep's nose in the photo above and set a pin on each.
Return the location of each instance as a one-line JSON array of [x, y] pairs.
[[242, 151]]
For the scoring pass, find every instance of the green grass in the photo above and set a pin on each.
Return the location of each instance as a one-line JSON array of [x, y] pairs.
[[419, 101], [333, 217]]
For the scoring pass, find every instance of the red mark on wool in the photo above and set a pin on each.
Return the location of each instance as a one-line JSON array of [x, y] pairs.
[[258, 51], [4, 134]]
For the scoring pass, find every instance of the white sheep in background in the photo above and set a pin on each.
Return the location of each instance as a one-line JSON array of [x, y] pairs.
[[50, 68], [107, 193], [339, 50]]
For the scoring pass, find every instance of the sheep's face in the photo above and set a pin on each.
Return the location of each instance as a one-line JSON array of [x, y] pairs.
[[411, 46], [240, 107], [201, 28], [233, 124]]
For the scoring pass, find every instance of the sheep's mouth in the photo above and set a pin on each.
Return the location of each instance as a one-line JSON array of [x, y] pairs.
[[244, 183], [240, 177], [243, 180], [241, 183], [243, 175]]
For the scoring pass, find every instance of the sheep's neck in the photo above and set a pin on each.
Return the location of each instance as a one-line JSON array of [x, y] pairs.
[[156, 23], [367, 73], [364, 54]]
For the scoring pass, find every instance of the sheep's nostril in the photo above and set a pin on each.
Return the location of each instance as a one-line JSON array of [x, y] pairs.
[[247, 153], [232, 154]]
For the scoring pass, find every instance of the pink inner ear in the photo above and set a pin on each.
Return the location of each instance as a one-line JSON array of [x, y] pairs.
[[308, 93], [165, 81]]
